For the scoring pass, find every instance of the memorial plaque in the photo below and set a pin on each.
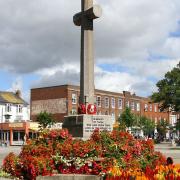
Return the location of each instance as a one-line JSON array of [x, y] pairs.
[[90, 123], [84, 125]]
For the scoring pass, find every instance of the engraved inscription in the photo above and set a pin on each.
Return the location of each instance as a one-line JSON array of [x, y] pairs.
[[94, 122]]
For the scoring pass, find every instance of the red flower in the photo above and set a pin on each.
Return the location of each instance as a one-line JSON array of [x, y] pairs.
[[82, 109], [91, 109]]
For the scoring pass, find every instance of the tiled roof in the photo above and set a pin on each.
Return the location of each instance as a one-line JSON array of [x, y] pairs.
[[10, 97]]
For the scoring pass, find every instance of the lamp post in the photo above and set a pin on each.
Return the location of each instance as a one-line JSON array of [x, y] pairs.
[[1, 126]]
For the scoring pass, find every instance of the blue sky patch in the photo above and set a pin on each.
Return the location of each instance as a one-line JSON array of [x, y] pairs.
[[7, 79], [114, 68]]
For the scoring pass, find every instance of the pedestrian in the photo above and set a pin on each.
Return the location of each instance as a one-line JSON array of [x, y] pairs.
[[169, 161]]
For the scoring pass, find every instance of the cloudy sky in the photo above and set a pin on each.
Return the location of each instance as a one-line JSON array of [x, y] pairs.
[[136, 42]]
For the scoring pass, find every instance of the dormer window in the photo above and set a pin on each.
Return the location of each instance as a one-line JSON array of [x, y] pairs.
[[8, 108]]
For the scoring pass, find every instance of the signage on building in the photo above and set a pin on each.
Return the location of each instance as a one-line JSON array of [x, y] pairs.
[[16, 125], [53, 106]]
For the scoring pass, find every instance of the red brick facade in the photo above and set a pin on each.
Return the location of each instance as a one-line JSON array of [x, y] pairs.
[[111, 103]]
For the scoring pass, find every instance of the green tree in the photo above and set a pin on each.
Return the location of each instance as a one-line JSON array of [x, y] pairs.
[[127, 118], [169, 90], [162, 126], [45, 119], [145, 124], [148, 125]]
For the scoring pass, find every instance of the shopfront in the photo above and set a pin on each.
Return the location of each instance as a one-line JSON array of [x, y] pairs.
[[17, 133]]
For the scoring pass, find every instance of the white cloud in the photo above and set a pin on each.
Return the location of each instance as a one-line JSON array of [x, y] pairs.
[[38, 36], [16, 85]]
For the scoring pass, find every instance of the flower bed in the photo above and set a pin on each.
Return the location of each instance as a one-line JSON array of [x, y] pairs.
[[161, 172], [56, 152]]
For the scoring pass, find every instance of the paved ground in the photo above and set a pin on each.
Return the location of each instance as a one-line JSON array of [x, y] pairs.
[[169, 151], [164, 148], [6, 150]]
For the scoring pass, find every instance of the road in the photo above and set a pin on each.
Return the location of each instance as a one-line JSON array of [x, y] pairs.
[[169, 151]]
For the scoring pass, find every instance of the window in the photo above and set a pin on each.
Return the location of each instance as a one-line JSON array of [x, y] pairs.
[[138, 106], [106, 113], [119, 103], [106, 102], [74, 98], [113, 102], [150, 107], [19, 108], [127, 103], [132, 106], [73, 111], [15, 136], [18, 135], [8, 107], [146, 107], [155, 108], [98, 101]]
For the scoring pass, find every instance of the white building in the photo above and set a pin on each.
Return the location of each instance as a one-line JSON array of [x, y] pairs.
[[13, 108]]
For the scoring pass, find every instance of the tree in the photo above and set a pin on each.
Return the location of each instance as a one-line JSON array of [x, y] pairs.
[[127, 118], [169, 90], [148, 125], [45, 119], [145, 124], [162, 127]]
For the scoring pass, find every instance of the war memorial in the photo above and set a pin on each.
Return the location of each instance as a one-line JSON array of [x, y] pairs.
[[99, 152], [87, 121]]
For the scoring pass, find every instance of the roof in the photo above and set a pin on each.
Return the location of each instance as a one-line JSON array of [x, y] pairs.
[[10, 97]]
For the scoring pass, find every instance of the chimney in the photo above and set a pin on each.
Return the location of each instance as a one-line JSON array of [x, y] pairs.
[[126, 93], [18, 93]]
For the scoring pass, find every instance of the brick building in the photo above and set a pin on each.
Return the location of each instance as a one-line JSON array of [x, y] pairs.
[[63, 100]]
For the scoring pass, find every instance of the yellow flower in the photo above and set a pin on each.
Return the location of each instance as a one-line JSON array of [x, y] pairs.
[[159, 177]]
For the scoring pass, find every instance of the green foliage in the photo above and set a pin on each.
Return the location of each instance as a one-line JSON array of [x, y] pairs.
[[162, 127], [122, 126], [145, 124], [169, 90], [45, 119], [148, 125], [127, 118], [4, 174]]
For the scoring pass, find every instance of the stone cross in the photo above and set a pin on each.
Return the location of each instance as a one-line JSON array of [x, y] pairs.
[[85, 20]]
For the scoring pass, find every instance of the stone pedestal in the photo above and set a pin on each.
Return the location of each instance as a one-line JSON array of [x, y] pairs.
[[82, 126], [69, 177]]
